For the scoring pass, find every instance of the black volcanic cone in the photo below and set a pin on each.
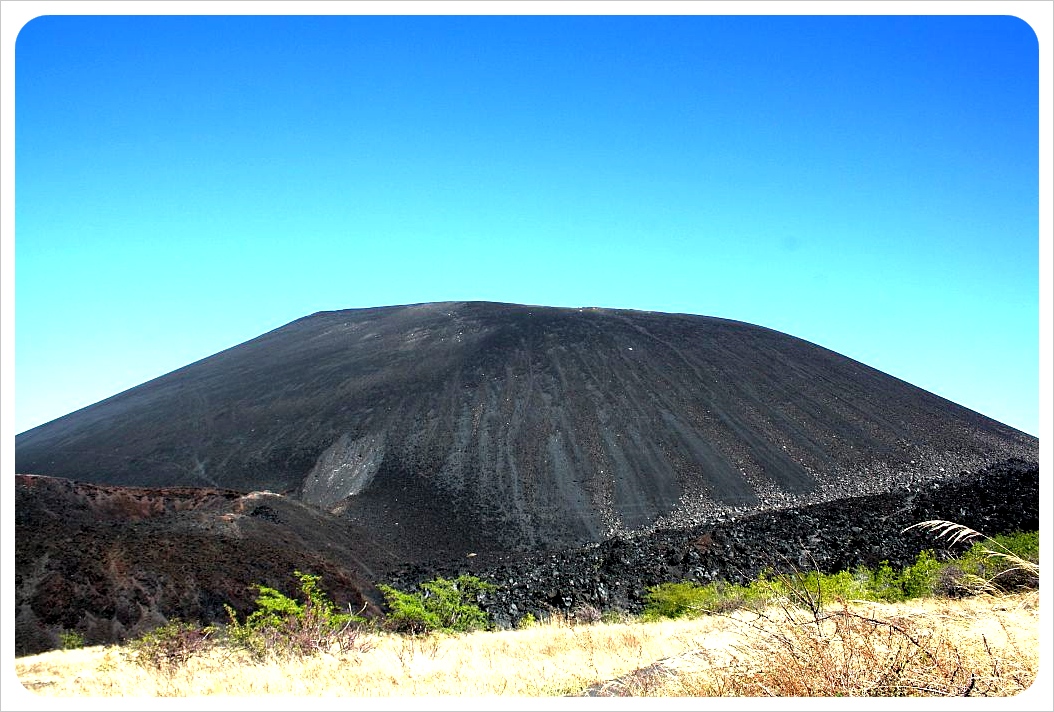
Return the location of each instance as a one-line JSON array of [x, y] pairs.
[[450, 428]]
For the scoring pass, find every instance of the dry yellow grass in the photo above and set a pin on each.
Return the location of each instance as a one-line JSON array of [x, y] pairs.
[[537, 661], [984, 646], [994, 639]]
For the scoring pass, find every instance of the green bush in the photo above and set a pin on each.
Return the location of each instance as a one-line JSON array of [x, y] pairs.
[[283, 626], [883, 584], [280, 626], [438, 605], [926, 577], [812, 588], [527, 620], [673, 600], [71, 640], [920, 579], [923, 578], [1024, 545], [687, 599]]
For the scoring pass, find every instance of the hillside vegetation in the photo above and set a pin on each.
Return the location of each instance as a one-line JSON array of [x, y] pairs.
[[976, 646]]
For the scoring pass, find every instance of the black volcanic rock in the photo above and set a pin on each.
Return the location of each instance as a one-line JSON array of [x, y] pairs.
[[453, 428], [828, 537]]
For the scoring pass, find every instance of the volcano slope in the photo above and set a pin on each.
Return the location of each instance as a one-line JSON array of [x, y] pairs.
[[571, 456], [444, 429]]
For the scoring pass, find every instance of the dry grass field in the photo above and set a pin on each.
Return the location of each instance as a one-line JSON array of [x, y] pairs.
[[979, 646]]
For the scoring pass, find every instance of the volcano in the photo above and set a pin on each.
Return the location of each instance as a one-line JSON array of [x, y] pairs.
[[447, 429]]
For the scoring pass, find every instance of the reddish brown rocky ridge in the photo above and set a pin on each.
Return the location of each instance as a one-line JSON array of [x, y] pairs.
[[112, 562]]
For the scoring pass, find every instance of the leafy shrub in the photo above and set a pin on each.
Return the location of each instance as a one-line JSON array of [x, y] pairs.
[[1014, 564], [71, 640], [673, 600], [1023, 545], [883, 584], [805, 588], [676, 600], [926, 577], [920, 579], [439, 605], [284, 626], [732, 596], [983, 567], [527, 620]]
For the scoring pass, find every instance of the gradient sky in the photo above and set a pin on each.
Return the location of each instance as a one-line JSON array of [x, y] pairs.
[[870, 184]]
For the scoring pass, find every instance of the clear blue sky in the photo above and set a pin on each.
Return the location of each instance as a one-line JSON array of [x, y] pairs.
[[184, 184]]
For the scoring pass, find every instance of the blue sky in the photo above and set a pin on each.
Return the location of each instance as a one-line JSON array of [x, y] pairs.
[[184, 184]]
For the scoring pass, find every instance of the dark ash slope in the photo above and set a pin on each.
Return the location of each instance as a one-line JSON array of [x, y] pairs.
[[460, 427]]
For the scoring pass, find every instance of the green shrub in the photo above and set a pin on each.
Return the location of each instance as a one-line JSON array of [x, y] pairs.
[[807, 589], [1023, 545], [677, 600], [992, 564], [733, 596], [438, 605], [407, 612], [286, 627], [919, 580], [527, 620], [803, 589], [71, 640], [673, 600], [883, 584]]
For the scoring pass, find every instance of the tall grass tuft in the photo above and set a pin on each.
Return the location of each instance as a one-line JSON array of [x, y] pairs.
[[861, 652], [992, 564]]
